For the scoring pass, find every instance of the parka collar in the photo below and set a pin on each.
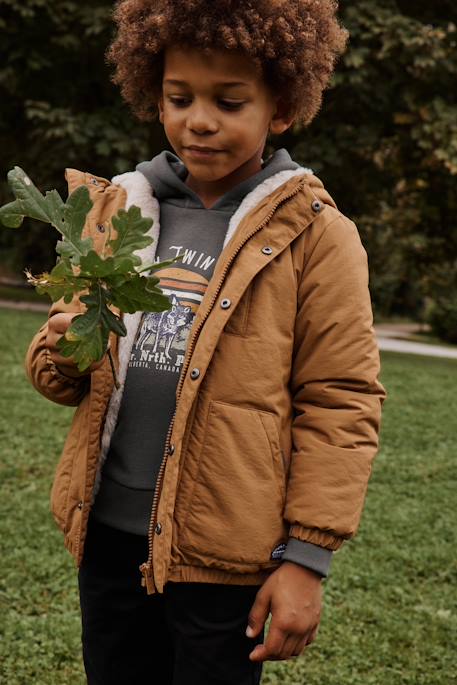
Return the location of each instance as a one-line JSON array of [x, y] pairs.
[[139, 193]]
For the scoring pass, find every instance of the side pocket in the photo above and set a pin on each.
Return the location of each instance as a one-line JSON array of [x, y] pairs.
[[277, 455], [235, 512]]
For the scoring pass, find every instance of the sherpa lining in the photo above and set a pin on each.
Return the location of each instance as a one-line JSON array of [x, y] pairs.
[[140, 194]]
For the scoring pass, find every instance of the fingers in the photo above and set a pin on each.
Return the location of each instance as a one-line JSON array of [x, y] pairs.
[[282, 644], [259, 613], [57, 327], [290, 647], [313, 634], [58, 323], [273, 647], [296, 646]]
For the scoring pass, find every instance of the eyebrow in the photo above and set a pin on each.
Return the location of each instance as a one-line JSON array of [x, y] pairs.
[[225, 84]]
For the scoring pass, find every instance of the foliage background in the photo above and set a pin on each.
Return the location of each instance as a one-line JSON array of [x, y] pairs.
[[385, 142]]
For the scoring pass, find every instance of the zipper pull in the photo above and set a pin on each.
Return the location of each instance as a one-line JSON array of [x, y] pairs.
[[147, 580]]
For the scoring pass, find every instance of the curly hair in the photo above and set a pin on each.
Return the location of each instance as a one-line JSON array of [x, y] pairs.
[[294, 42]]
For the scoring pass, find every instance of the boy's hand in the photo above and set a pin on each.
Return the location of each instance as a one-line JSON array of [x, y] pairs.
[[293, 595], [57, 327]]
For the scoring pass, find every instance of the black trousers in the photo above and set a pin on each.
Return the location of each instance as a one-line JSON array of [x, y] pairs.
[[192, 634]]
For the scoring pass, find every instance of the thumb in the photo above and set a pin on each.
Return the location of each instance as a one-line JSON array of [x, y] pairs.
[[258, 614]]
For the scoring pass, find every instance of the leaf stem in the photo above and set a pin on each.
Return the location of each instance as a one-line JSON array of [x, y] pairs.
[[116, 382]]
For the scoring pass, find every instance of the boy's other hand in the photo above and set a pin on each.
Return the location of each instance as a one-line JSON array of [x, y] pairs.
[[293, 595], [57, 327]]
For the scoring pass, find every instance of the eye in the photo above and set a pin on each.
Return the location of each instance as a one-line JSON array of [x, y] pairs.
[[179, 102], [227, 104]]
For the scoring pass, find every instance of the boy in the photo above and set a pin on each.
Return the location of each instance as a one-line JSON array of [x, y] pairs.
[[235, 456]]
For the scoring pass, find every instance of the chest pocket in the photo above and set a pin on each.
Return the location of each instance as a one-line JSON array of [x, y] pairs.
[[238, 322]]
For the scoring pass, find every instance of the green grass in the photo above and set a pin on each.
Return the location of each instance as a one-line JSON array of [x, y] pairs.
[[390, 603]]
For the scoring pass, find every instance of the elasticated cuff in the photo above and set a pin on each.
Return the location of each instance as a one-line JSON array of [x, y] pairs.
[[307, 554]]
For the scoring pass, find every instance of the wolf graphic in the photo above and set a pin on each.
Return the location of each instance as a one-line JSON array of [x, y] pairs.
[[165, 325]]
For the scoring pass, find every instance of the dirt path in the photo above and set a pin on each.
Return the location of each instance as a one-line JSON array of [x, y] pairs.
[[388, 334], [24, 306]]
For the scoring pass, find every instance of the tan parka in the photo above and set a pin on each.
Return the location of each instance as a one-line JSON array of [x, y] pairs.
[[278, 403]]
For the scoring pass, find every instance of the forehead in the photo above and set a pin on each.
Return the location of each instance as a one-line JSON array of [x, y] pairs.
[[221, 67]]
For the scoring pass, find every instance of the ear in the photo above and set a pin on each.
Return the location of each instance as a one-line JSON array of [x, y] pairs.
[[160, 106], [282, 118]]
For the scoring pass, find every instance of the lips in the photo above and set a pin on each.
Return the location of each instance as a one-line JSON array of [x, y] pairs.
[[202, 149]]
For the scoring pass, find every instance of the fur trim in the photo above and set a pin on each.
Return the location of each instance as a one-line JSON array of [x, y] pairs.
[[140, 193], [253, 198]]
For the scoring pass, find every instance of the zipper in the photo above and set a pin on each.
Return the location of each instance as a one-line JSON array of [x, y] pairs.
[[147, 568]]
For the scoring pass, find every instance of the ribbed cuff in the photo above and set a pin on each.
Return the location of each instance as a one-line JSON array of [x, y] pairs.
[[311, 556]]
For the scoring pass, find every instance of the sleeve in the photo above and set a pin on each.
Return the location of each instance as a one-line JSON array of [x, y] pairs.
[[44, 374], [337, 397]]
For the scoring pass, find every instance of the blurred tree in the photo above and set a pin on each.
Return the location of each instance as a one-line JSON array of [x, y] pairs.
[[385, 142], [59, 108]]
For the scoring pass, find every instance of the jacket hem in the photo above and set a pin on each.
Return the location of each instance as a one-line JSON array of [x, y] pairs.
[[199, 574]]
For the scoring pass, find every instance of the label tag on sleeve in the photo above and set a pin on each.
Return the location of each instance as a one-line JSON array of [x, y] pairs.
[[278, 551]]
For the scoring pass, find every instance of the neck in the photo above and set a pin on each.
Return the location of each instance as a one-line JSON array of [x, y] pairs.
[[210, 191]]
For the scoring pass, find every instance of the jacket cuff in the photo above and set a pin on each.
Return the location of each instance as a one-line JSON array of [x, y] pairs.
[[310, 556], [59, 375], [319, 537]]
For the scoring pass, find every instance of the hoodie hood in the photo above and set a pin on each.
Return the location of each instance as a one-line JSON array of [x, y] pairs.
[[167, 174]]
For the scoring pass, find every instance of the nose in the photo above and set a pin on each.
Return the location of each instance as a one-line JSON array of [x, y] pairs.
[[200, 119]]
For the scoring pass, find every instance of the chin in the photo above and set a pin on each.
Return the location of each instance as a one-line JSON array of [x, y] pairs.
[[201, 173]]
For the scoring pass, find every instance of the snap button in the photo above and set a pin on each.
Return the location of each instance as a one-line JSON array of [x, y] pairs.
[[225, 304], [80, 505], [94, 181], [171, 449], [316, 206], [158, 528], [100, 228], [194, 373], [267, 250]]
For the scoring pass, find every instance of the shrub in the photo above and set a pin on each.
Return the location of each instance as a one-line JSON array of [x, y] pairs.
[[442, 317]]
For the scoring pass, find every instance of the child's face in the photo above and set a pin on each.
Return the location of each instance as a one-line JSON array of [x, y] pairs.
[[199, 107]]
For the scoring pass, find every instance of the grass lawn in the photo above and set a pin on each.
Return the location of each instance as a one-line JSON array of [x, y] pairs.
[[390, 603]]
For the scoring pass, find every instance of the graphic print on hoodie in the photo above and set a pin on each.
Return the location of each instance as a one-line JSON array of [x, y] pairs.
[[161, 343], [188, 228]]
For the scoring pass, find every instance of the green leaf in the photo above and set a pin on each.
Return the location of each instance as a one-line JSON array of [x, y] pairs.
[[131, 228], [61, 282], [159, 265], [86, 340], [113, 280], [84, 350], [68, 218], [30, 202], [138, 294], [75, 212], [113, 322], [95, 266]]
